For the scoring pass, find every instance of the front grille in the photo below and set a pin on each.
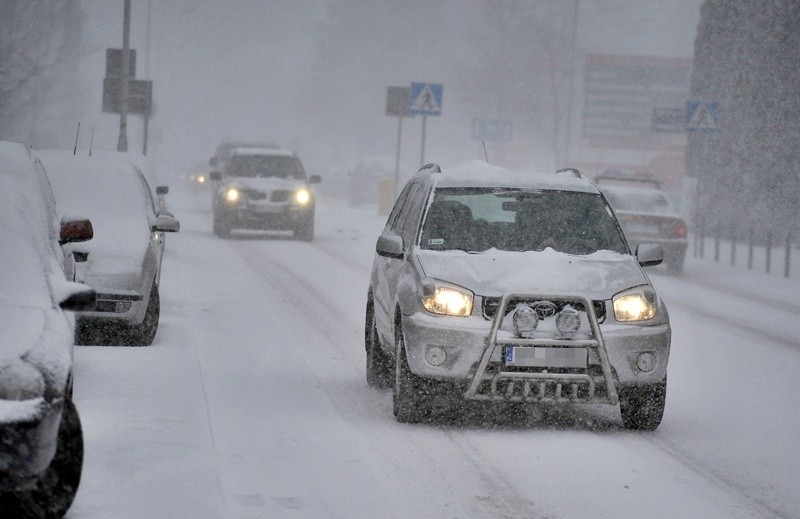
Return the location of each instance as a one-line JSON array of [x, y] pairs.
[[253, 194], [280, 196], [490, 305]]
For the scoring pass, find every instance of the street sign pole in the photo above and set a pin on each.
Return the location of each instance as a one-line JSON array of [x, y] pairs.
[[397, 159], [122, 144], [422, 154]]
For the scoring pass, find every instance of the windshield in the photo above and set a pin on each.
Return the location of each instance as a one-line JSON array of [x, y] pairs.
[[279, 166], [479, 219]]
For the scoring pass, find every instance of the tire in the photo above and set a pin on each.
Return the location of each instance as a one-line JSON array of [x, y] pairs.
[[411, 400], [379, 365], [221, 228], [643, 407], [305, 230], [144, 334], [56, 489]]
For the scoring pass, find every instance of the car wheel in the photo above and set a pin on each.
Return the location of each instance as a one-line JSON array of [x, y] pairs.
[[56, 489], [144, 334], [410, 401], [379, 372], [643, 407], [305, 230], [221, 228]]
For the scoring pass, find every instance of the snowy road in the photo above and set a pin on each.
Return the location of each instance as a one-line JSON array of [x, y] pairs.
[[252, 403]]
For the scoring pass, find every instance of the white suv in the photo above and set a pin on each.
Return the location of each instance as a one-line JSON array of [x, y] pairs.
[[513, 288]]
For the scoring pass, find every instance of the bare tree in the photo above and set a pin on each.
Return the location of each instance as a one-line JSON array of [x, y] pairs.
[[39, 49]]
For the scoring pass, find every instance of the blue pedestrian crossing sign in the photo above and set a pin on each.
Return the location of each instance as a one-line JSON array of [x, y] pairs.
[[701, 116], [426, 99]]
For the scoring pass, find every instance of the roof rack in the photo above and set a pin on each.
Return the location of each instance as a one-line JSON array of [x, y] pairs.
[[621, 176], [431, 166], [572, 171]]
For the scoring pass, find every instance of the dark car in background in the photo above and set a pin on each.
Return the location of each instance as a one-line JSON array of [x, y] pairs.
[[41, 439], [123, 262], [264, 189], [647, 215]]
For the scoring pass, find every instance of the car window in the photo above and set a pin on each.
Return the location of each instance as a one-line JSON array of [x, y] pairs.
[[391, 222], [642, 200], [409, 216], [265, 166], [479, 219]]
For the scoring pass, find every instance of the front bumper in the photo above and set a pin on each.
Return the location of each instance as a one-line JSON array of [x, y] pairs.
[[270, 217], [465, 341], [28, 441]]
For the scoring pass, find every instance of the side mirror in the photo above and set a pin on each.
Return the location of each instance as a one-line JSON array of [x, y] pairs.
[[75, 230], [215, 175], [649, 254], [390, 246], [212, 162], [314, 179], [164, 223], [162, 190], [80, 301]]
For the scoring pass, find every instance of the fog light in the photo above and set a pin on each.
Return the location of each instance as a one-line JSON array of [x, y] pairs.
[[568, 321], [525, 321], [122, 307], [435, 355], [646, 361]]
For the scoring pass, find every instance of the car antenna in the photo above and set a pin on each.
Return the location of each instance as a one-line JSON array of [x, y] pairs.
[[91, 141], [75, 149], [486, 156]]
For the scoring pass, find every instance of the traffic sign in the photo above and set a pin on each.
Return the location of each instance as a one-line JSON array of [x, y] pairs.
[[140, 95], [114, 63], [701, 116], [426, 98], [491, 130], [668, 120], [397, 101]]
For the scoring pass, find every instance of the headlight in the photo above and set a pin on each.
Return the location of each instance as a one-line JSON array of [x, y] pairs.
[[232, 195], [636, 304], [445, 299], [302, 196], [201, 179]]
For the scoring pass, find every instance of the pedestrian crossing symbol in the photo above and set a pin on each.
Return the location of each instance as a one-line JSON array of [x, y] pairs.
[[426, 99], [701, 116]]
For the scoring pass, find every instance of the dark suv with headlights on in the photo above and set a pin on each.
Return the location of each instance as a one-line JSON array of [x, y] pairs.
[[513, 289], [264, 189], [41, 440]]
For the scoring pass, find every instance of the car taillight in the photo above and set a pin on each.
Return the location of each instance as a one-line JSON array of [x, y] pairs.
[[681, 230]]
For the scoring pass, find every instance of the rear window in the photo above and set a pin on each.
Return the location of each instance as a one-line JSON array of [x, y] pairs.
[[479, 219], [265, 166]]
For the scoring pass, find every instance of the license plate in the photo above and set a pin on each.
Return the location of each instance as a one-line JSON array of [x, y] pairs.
[[535, 357]]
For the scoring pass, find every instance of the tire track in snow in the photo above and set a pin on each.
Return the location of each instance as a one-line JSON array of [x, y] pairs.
[[503, 502]]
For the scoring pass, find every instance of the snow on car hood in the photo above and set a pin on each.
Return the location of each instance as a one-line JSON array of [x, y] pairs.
[[23, 328], [265, 183], [491, 273]]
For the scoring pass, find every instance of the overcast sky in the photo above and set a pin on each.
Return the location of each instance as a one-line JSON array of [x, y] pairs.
[[242, 69]]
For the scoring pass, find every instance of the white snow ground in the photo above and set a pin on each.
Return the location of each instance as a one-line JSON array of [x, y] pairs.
[[252, 402]]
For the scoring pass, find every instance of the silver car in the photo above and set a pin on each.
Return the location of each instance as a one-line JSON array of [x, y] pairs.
[[515, 289], [123, 261]]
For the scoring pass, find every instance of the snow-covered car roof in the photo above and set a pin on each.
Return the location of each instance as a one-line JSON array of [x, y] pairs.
[[109, 191], [480, 174], [262, 151]]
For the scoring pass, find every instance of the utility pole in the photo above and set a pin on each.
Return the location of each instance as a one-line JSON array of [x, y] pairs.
[[122, 144], [571, 81], [147, 76]]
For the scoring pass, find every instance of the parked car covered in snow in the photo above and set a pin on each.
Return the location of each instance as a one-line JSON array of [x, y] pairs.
[[123, 262], [41, 441], [646, 215], [264, 189], [513, 289]]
